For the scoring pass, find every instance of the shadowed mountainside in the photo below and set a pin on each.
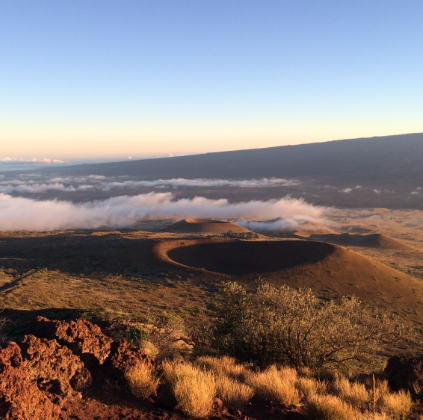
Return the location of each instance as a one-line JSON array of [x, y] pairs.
[[386, 158]]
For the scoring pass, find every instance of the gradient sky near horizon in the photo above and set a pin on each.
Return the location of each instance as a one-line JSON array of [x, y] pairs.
[[102, 79]]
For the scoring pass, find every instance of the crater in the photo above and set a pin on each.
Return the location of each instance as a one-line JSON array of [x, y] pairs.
[[243, 257]]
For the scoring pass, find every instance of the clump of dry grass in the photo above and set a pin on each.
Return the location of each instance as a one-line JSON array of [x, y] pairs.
[[310, 386], [351, 392], [142, 380], [234, 394], [222, 366], [397, 405], [193, 388], [330, 407], [274, 385]]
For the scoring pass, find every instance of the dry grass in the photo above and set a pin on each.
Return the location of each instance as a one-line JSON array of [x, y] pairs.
[[351, 392], [310, 386], [274, 385], [222, 366], [142, 380], [194, 388], [234, 394], [397, 405], [330, 407]]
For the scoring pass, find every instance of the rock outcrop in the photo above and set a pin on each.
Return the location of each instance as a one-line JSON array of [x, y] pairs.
[[82, 337], [20, 397], [406, 372], [124, 356]]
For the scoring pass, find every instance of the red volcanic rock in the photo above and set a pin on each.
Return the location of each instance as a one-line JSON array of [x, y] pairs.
[[82, 337], [124, 356], [405, 372], [19, 397], [56, 369]]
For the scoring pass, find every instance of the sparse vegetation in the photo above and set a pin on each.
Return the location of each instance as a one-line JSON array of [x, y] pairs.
[[293, 327]]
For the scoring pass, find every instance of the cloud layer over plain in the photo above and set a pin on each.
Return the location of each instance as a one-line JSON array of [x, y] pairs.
[[18, 213]]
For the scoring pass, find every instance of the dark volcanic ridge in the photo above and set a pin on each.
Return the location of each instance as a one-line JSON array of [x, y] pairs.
[[374, 240], [205, 226]]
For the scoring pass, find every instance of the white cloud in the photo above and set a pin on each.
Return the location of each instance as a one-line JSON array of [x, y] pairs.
[[376, 191], [415, 192], [346, 190], [34, 188], [33, 160], [203, 182], [18, 213]]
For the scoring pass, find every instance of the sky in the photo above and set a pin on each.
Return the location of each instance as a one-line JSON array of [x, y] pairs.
[[105, 80]]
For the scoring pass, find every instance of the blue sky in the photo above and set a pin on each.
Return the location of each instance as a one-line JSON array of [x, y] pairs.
[[112, 79]]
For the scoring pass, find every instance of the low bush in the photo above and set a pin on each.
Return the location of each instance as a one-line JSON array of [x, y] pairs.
[[293, 327]]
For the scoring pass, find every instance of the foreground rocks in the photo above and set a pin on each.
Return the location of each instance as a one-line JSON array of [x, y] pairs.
[[39, 376]]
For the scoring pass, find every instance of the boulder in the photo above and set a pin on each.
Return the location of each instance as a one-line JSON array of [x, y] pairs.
[[20, 398], [56, 369], [406, 372], [82, 337], [124, 356]]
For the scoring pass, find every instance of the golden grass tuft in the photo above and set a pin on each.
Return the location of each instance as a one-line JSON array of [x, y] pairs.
[[397, 405], [234, 394], [274, 385], [222, 366], [330, 407], [351, 392], [193, 388], [310, 386], [142, 380]]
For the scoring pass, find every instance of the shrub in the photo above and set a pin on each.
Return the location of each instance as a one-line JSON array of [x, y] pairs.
[[293, 327], [193, 388], [137, 334], [234, 394], [274, 385], [142, 380]]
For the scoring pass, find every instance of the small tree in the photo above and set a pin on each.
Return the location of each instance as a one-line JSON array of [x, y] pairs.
[[294, 327]]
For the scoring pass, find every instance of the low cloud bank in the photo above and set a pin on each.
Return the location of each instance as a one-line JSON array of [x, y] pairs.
[[203, 182], [289, 224], [18, 213], [33, 160], [100, 182]]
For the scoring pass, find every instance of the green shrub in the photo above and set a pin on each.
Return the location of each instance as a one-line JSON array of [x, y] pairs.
[[293, 327]]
